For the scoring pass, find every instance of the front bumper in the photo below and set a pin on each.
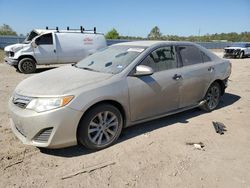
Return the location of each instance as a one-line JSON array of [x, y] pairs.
[[10, 61], [231, 53], [52, 129]]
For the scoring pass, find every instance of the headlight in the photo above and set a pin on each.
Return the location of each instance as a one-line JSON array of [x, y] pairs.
[[45, 104]]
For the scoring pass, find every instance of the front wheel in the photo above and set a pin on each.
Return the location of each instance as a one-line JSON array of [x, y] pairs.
[[100, 127], [212, 97], [27, 65]]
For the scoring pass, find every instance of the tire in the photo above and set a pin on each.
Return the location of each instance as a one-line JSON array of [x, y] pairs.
[[212, 97], [27, 65], [100, 127], [241, 54]]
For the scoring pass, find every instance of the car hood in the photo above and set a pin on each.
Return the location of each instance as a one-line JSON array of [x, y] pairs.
[[59, 81], [15, 47], [233, 48]]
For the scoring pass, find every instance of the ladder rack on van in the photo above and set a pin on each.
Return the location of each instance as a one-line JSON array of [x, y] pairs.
[[68, 29]]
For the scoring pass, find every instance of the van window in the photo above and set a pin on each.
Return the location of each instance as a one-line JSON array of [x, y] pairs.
[[44, 39], [190, 55], [29, 38], [161, 59]]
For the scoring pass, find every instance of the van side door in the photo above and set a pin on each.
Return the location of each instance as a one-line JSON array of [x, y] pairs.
[[197, 73], [45, 51]]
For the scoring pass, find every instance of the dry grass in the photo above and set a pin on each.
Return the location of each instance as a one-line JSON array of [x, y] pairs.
[[1, 56]]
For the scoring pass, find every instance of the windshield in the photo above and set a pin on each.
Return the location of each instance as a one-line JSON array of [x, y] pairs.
[[29, 38], [112, 60]]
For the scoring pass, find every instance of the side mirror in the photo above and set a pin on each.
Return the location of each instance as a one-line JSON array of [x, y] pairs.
[[33, 44], [143, 70]]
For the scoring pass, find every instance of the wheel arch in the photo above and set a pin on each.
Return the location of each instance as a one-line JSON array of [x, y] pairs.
[[27, 56], [222, 85], [111, 102]]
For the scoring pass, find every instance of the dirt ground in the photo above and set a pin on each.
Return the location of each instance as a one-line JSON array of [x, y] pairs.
[[153, 154]]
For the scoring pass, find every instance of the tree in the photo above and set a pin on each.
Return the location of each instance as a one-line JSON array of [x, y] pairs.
[[112, 34], [7, 30], [155, 33]]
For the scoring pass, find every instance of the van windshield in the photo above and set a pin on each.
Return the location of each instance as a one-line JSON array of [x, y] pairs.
[[113, 59], [29, 38]]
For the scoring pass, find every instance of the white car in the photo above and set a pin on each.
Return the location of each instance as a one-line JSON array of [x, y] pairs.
[[238, 51], [45, 47]]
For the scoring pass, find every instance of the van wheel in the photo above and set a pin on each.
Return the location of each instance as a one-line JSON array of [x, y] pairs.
[[100, 127], [27, 65], [212, 97]]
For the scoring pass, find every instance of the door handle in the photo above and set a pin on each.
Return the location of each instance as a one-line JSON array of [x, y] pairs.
[[210, 69], [54, 51], [177, 77]]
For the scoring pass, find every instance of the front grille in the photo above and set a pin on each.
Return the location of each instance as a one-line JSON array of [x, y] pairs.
[[9, 54], [232, 51], [43, 135], [229, 51], [21, 101]]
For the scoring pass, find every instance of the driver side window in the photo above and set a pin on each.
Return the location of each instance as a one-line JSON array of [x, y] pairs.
[[163, 58], [45, 39]]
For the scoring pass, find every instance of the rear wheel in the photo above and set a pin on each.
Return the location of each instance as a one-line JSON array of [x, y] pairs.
[[100, 127], [212, 97], [27, 65]]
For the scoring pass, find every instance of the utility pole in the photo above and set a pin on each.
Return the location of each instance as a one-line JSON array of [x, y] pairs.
[[199, 34]]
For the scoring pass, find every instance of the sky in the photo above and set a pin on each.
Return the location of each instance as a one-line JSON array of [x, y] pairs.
[[129, 17]]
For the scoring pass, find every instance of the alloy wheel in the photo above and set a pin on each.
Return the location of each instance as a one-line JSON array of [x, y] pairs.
[[213, 97], [103, 128]]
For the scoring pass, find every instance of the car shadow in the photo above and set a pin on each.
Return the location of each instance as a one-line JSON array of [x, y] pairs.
[[39, 70], [142, 128]]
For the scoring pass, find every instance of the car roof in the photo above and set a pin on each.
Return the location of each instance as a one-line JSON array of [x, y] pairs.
[[147, 43]]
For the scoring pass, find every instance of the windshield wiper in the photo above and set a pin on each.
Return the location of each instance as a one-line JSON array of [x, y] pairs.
[[87, 68]]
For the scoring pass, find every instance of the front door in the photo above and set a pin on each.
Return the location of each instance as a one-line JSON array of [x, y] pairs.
[[45, 52], [158, 93]]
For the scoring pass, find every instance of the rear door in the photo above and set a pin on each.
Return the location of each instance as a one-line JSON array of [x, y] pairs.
[[158, 93], [45, 52], [197, 72]]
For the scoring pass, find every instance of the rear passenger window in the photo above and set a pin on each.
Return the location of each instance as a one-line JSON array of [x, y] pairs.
[[44, 39], [161, 59], [190, 55], [205, 58]]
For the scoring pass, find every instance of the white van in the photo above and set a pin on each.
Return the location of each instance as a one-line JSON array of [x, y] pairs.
[[45, 47]]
